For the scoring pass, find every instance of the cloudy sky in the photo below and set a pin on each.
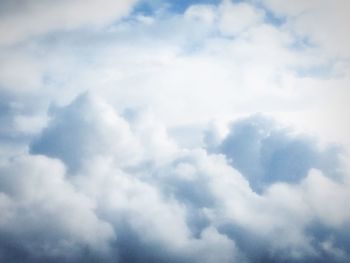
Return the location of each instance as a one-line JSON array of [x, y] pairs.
[[174, 131]]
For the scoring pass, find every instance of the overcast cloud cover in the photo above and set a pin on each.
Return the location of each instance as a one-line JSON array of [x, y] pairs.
[[174, 131]]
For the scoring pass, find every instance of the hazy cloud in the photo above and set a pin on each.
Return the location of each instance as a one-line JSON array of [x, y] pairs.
[[24, 18]]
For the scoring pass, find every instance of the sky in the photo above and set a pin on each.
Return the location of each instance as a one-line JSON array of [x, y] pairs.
[[174, 131]]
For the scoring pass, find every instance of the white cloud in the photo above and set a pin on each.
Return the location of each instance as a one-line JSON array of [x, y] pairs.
[[186, 206], [321, 22], [111, 179], [205, 13], [38, 201], [258, 71], [238, 17], [95, 131], [22, 19], [327, 198]]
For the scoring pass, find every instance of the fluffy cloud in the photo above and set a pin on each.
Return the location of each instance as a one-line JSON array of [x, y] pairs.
[[192, 206], [266, 154], [149, 224], [42, 214], [95, 130], [106, 154], [126, 196]]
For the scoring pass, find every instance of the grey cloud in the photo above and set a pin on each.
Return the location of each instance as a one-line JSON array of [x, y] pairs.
[[84, 129], [266, 154]]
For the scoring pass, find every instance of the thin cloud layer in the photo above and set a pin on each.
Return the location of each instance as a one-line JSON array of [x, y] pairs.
[[319, 21], [23, 19], [129, 131]]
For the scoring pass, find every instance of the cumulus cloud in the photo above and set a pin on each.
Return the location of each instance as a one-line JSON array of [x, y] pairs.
[[43, 216], [94, 130], [129, 134], [192, 206], [129, 195], [266, 154]]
